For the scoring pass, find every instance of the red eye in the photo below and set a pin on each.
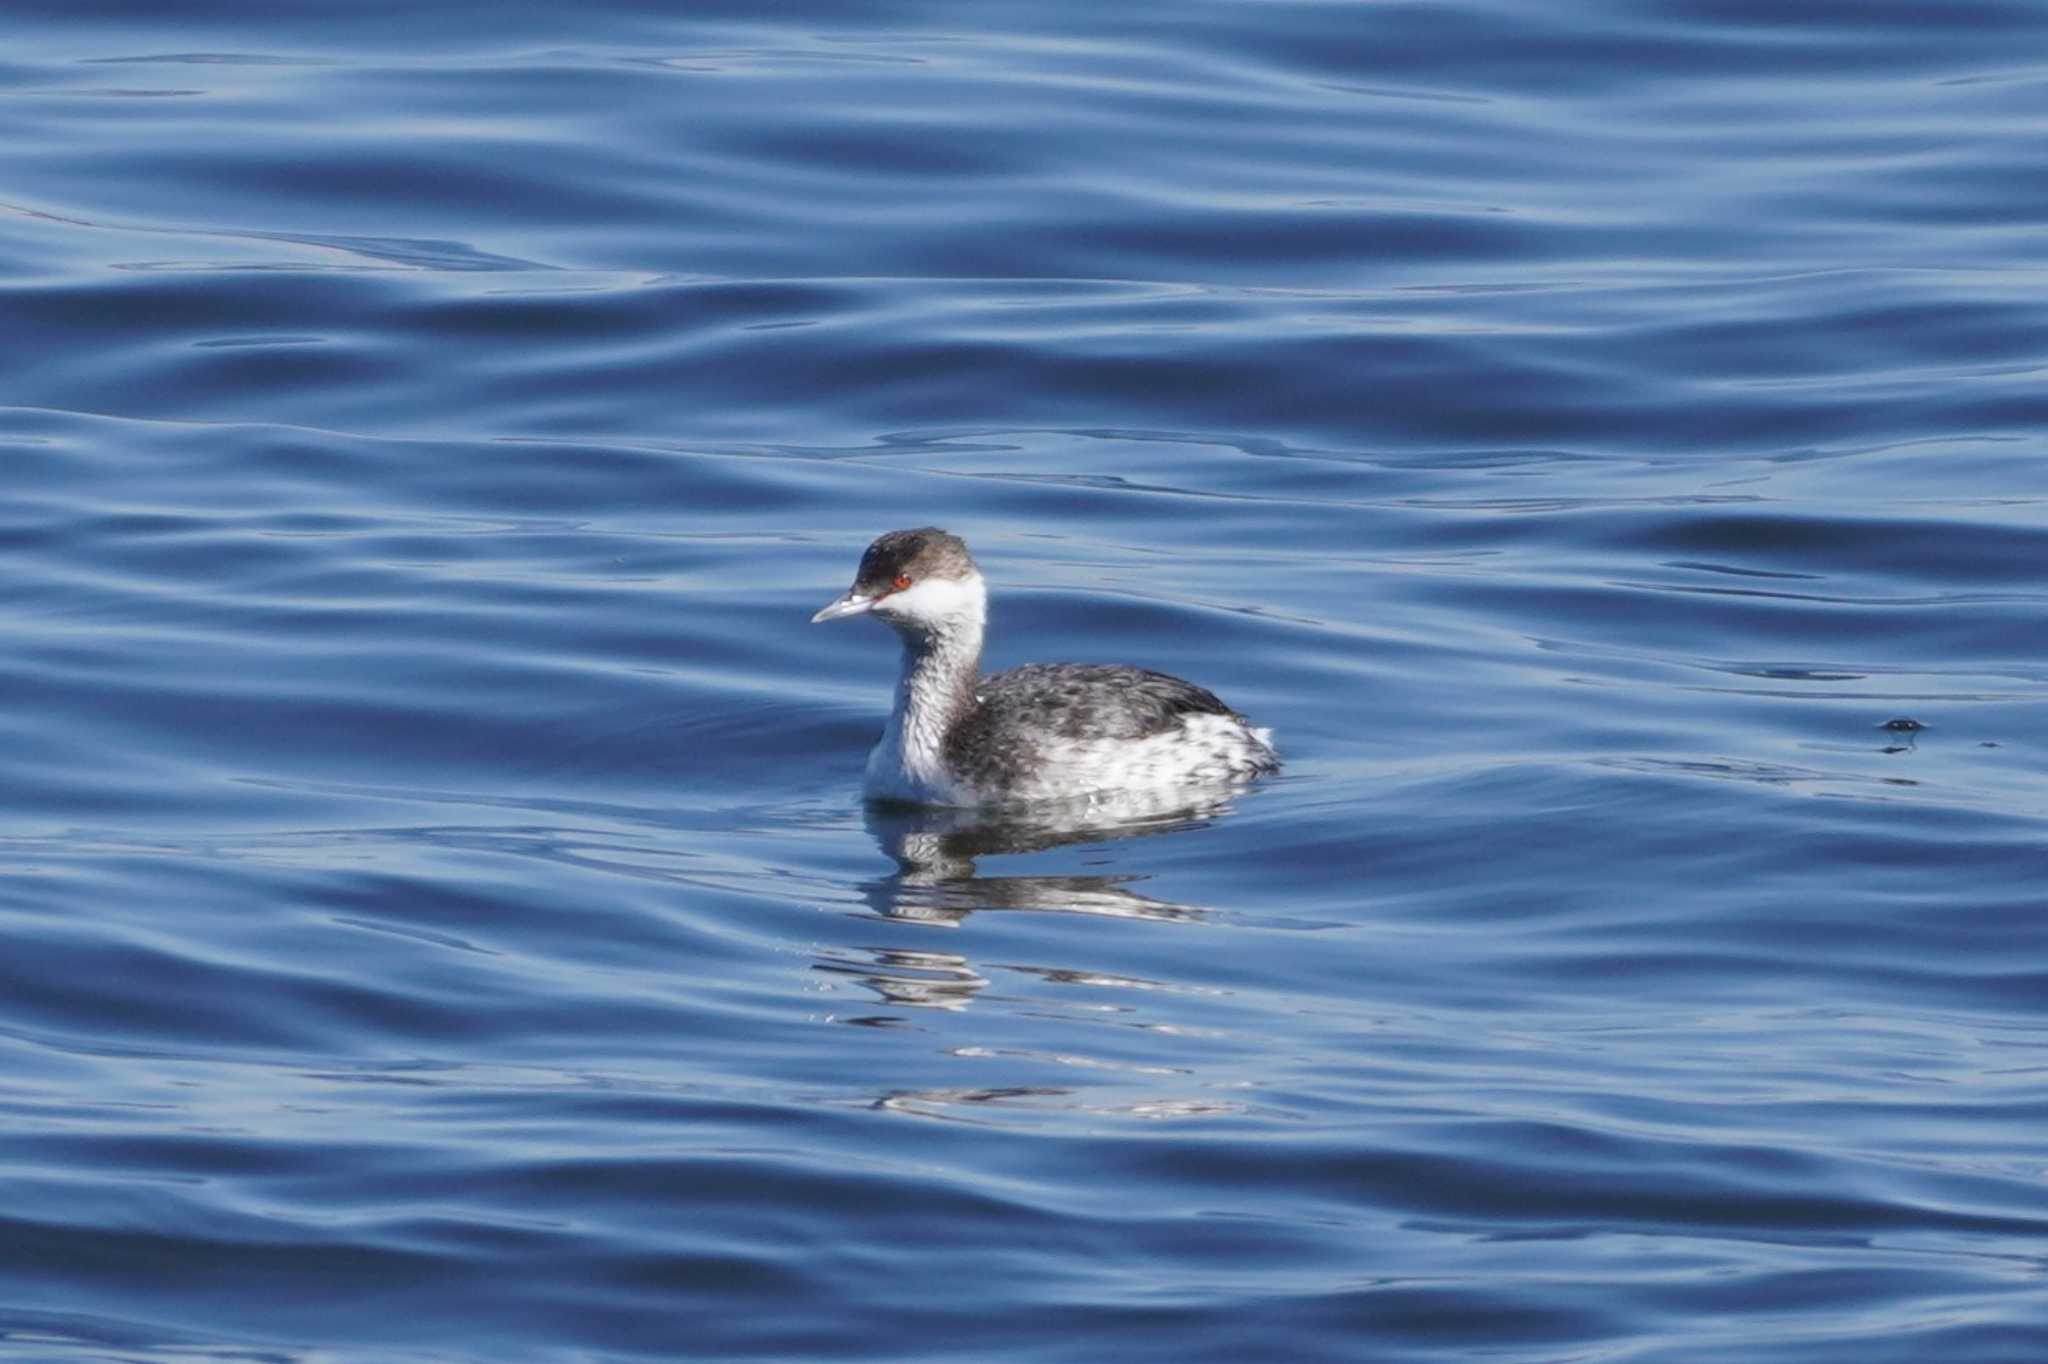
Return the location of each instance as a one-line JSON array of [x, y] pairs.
[[902, 580]]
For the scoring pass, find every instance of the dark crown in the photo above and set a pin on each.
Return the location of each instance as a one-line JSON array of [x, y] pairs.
[[926, 552]]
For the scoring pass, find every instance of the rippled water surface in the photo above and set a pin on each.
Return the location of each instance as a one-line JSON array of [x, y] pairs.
[[437, 918]]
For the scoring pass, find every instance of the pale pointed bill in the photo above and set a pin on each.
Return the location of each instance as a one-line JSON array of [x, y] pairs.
[[852, 604]]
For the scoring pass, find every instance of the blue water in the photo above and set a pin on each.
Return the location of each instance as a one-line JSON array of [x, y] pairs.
[[437, 917]]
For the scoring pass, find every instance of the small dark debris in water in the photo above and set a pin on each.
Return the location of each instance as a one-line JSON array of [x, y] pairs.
[[1988, 743], [1903, 726]]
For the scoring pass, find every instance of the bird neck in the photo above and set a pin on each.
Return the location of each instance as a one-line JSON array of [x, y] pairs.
[[936, 690]]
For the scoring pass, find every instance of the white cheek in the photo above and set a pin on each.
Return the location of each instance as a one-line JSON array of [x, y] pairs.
[[934, 599]]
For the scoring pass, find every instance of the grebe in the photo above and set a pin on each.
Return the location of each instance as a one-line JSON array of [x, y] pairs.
[[1045, 731]]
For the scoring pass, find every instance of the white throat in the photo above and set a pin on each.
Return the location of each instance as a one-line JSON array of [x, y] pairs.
[[940, 622]]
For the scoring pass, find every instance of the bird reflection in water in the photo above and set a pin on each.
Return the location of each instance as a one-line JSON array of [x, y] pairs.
[[911, 980], [936, 881]]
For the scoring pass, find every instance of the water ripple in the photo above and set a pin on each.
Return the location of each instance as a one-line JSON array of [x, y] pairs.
[[438, 921]]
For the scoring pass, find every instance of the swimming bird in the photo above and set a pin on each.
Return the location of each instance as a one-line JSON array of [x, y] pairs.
[[1045, 731]]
